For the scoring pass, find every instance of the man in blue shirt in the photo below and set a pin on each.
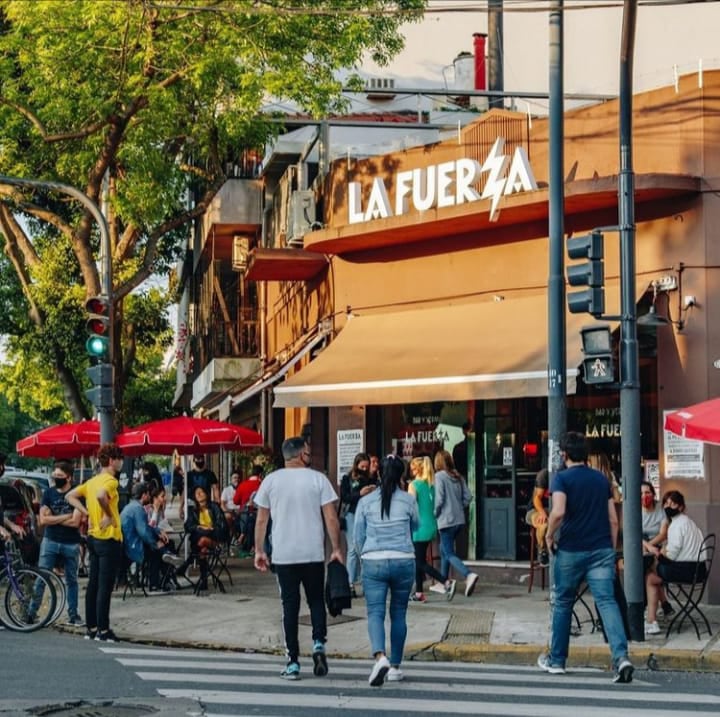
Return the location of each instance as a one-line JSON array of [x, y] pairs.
[[582, 533], [141, 540], [61, 535]]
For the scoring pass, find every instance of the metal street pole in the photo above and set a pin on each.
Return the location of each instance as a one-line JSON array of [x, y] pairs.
[[629, 360], [557, 390], [107, 430]]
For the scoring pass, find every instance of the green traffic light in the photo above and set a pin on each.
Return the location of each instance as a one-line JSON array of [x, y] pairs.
[[97, 346]]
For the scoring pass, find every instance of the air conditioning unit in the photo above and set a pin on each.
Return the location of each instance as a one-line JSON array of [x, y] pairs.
[[240, 252], [301, 216]]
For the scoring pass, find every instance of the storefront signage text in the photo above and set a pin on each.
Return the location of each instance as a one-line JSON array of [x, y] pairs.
[[445, 185]]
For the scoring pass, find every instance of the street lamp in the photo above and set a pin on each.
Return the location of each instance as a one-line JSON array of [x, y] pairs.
[[107, 431]]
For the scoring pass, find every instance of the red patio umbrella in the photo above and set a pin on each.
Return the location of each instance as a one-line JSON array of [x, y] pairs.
[[66, 440], [185, 435], [700, 422]]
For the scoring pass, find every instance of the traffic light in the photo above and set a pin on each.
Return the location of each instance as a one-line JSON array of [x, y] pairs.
[[598, 366], [590, 273], [98, 326], [102, 378]]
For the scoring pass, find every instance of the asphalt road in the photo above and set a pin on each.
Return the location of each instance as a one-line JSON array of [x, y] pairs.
[[54, 673]]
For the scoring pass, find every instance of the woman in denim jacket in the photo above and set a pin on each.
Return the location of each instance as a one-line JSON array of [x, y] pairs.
[[384, 522]]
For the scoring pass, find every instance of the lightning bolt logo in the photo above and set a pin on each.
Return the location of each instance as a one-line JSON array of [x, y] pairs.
[[496, 163]]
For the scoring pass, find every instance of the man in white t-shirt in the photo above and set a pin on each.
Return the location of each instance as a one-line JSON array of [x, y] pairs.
[[302, 505]]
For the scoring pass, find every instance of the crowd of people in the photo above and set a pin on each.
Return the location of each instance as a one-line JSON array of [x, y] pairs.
[[381, 522]]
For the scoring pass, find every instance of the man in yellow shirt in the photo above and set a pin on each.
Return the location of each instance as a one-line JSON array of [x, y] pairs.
[[100, 495]]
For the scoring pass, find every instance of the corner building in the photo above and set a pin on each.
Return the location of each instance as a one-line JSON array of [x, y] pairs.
[[412, 308]]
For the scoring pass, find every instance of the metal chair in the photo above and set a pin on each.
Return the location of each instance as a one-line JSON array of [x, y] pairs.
[[688, 595]]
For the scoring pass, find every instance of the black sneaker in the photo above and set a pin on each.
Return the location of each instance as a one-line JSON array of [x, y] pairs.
[[75, 621], [107, 636], [624, 672], [91, 633], [320, 665]]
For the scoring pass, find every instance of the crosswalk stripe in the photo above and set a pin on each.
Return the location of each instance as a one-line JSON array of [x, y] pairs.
[[385, 704], [341, 667], [605, 693]]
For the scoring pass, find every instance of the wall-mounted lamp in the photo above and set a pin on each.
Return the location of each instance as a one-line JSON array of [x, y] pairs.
[[664, 285]]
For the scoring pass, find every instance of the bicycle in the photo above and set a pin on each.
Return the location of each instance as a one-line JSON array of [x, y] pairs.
[[28, 598]]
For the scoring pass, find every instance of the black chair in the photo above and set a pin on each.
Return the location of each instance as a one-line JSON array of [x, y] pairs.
[[135, 577], [688, 595]]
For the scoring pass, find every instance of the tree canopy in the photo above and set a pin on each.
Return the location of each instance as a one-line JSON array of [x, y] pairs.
[[142, 105]]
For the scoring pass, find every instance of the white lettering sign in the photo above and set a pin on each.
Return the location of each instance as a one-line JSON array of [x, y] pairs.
[[445, 185]]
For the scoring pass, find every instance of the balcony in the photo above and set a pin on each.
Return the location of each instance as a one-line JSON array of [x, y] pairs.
[[235, 209]]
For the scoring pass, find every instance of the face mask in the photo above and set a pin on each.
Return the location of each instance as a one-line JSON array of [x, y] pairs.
[[671, 512], [60, 482], [647, 501]]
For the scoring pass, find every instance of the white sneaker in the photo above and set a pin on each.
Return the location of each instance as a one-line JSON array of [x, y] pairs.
[[470, 581], [543, 662], [171, 559], [437, 588], [379, 670], [395, 675], [652, 628]]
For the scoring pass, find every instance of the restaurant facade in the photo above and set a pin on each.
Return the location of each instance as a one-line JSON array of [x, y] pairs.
[[416, 301]]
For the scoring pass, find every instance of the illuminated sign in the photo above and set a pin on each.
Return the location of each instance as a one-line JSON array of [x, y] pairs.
[[445, 185]]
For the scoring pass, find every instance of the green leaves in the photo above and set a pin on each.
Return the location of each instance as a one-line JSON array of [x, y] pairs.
[[142, 106]]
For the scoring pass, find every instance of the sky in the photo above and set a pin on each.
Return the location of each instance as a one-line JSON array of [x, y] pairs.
[[666, 37]]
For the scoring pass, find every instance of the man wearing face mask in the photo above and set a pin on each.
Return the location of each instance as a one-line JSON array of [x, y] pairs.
[[203, 477], [677, 560], [582, 533], [61, 536], [302, 504]]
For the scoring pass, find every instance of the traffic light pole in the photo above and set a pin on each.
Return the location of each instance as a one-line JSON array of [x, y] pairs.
[[629, 357], [557, 353], [107, 430]]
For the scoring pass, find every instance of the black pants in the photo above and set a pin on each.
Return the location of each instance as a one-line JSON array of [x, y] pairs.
[[422, 567], [105, 560], [312, 577]]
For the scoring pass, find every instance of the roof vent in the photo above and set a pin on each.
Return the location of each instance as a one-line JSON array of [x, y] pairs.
[[373, 84]]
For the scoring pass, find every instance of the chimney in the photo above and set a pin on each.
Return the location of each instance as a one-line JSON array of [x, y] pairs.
[[479, 49]]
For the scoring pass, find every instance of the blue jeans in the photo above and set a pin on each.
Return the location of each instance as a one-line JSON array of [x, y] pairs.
[[351, 562], [398, 575], [597, 567], [447, 552], [50, 551]]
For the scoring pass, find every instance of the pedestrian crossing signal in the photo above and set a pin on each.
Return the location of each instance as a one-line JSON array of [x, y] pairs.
[[598, 365]]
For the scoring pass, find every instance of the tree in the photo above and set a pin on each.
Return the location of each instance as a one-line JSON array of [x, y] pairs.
[[142, 105]]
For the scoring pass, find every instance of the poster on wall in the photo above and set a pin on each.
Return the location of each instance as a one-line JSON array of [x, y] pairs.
[[349, 444], [652, 475], [684, 458]]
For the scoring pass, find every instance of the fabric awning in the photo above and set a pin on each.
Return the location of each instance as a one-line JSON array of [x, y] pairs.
[[486, 350]]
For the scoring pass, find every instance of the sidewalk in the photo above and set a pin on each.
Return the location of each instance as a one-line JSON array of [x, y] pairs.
[[498, 623]]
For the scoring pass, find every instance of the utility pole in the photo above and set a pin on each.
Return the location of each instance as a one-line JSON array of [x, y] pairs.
[[496, 78], [107, 430], [629, 357], [557, 352]]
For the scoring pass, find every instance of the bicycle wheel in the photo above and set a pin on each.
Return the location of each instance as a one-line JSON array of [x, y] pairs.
[[29, 600], [60, 592]]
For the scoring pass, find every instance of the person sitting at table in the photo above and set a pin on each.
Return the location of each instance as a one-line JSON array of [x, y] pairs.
[[654, 533], [206, 528], [537, 514], [677, 560]]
